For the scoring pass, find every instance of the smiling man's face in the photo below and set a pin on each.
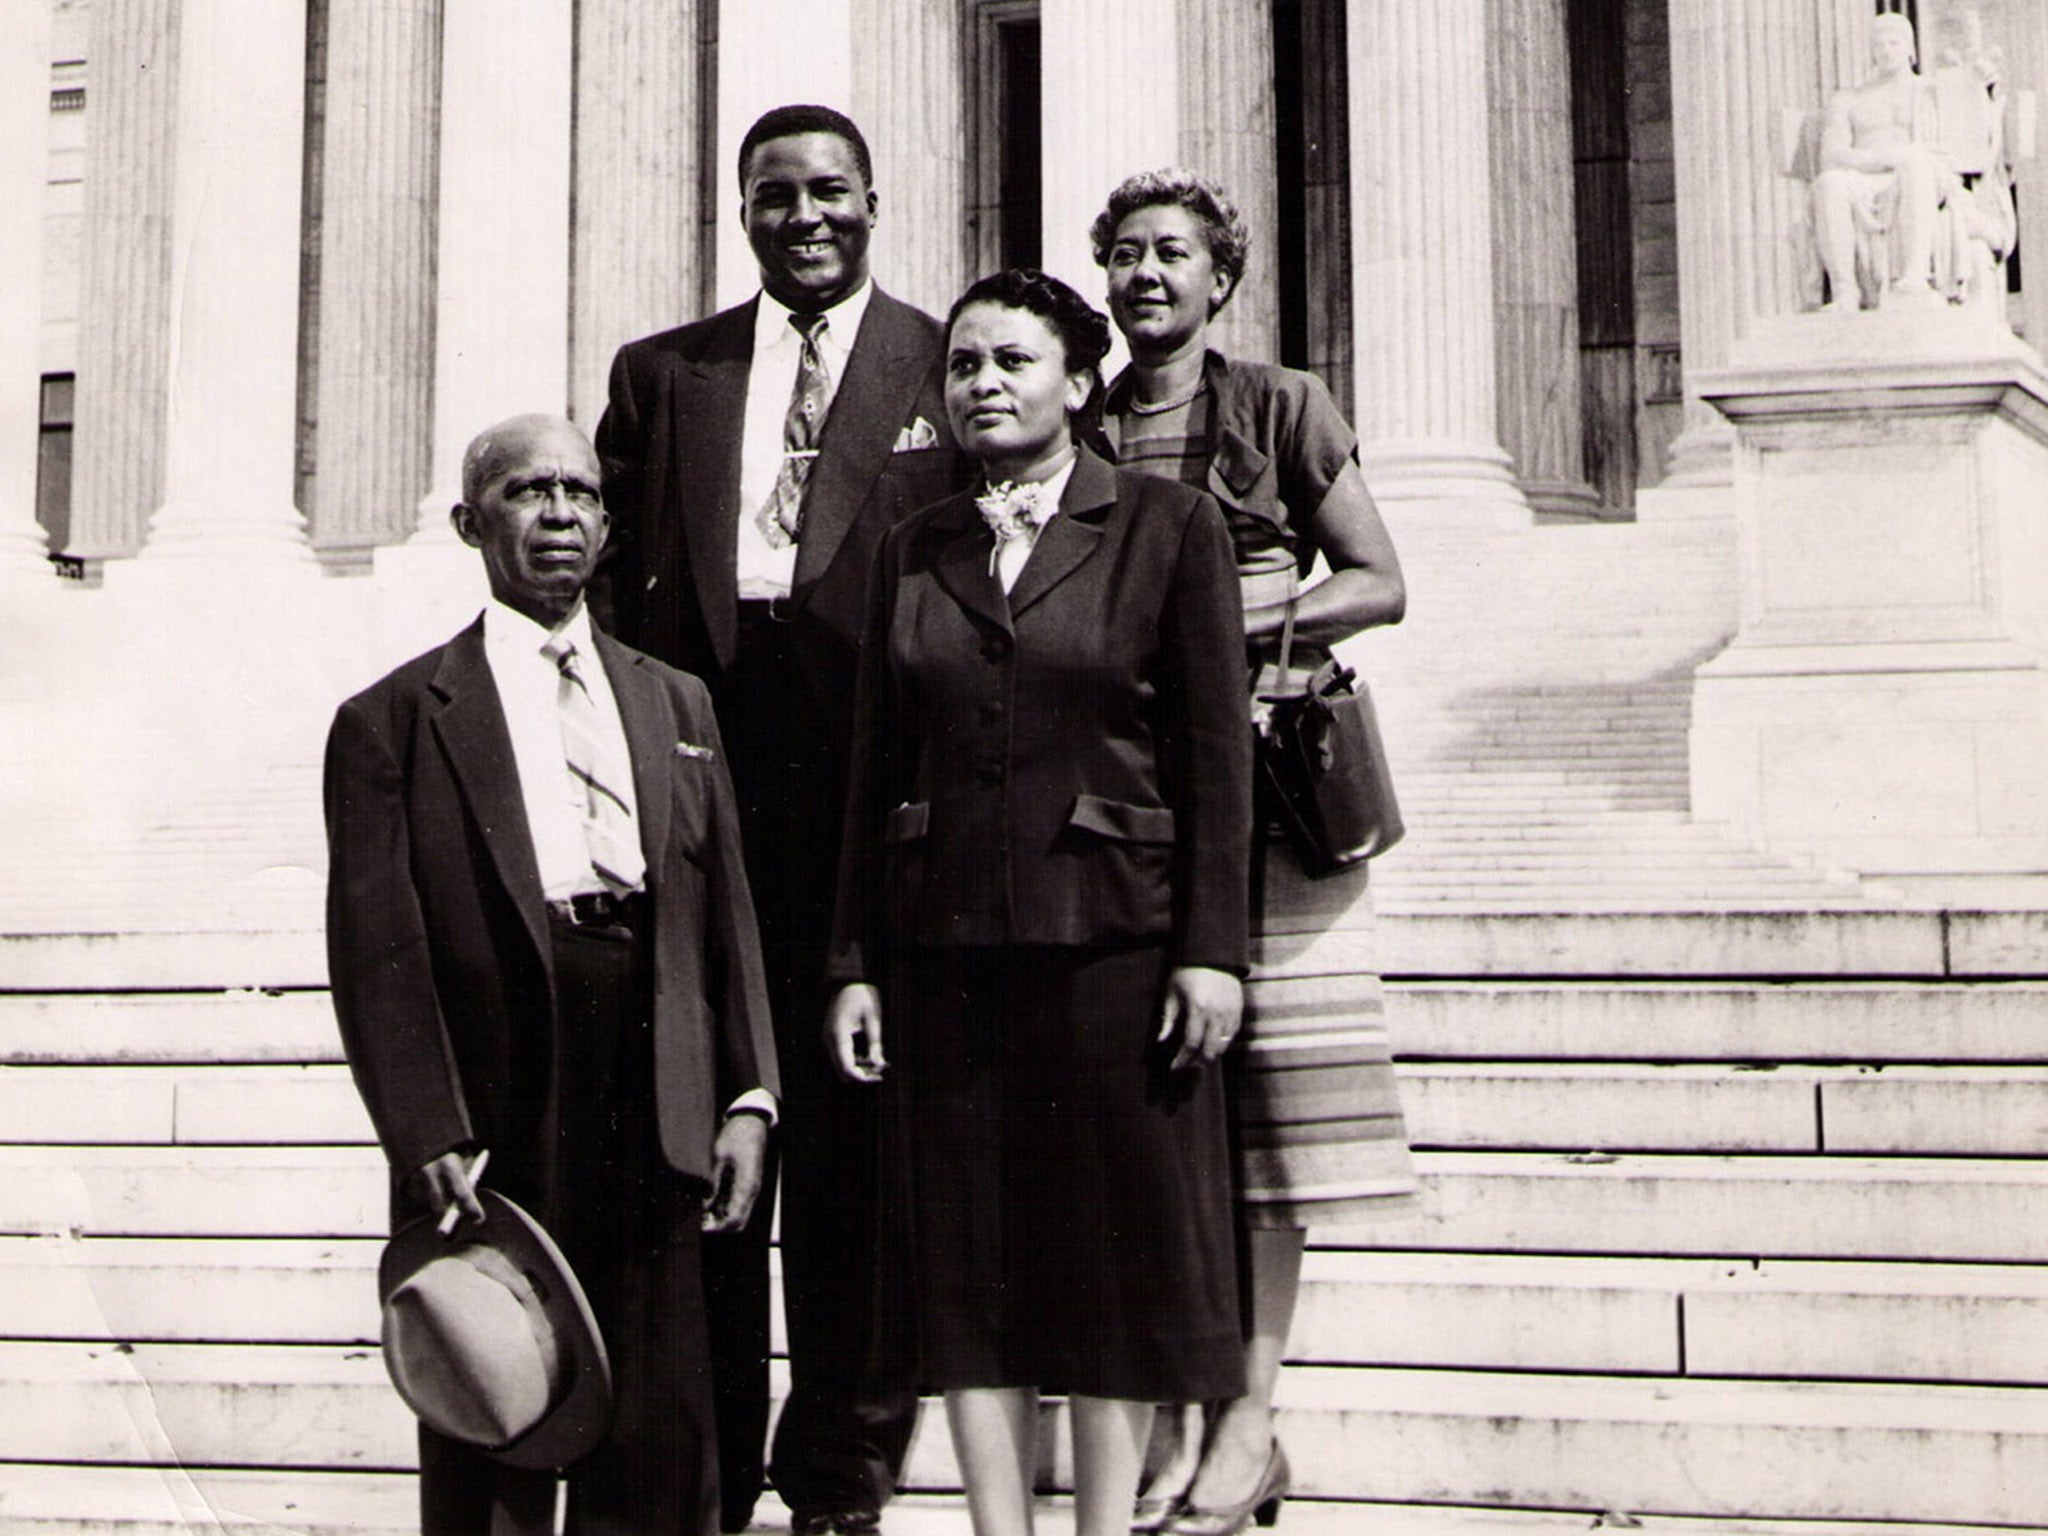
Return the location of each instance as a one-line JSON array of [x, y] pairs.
[[808, 212]]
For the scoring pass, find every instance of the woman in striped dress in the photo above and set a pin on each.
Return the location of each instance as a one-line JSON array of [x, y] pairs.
[[1320, 1140]]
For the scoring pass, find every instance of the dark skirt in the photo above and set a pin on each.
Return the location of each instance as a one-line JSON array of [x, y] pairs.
[[1058, 1208]]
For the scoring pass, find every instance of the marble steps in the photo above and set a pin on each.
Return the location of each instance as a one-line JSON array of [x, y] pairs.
[[1881, 1109], [1885, 1023], [1985, 1209], [1824, 1320], [127, 1501], [1693, 1446], [1901, 1019], [1658, 936]]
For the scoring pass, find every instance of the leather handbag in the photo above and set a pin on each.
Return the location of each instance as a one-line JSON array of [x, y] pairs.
[[1322, 763]]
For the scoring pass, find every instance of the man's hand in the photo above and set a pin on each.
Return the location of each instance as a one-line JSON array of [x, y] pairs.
[[738, 1160], [853, 1032], [1204, 1005], [444, 1183]]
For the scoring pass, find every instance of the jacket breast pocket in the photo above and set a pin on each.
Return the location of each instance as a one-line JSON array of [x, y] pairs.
[[1125, 866]]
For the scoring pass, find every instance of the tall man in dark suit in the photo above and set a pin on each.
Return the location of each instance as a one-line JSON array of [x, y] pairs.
[[753, 461], [541, 944]]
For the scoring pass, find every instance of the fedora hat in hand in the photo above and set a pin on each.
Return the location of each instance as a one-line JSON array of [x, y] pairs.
[[490, 1340]]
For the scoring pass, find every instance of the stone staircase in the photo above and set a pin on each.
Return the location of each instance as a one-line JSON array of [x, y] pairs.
[[1736, 1207]]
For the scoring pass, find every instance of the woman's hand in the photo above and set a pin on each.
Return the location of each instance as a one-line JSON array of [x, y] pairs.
[[853, 1032], [1205, 1005]]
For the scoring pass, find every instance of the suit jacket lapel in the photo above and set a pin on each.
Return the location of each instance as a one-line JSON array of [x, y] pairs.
[[883, 377], [709, 420], [470, 726], [650, 740], [962, 563], [1071, 537]]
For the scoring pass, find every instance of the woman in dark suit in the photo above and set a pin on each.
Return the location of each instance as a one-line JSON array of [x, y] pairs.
[[1319, 1135], [1042, 909]]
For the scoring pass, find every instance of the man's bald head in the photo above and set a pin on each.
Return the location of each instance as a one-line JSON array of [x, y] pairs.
[[516, 436]]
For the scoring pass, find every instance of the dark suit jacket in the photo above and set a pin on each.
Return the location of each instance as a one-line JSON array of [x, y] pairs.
[[1070, 764], [670, 444], [437, 931]]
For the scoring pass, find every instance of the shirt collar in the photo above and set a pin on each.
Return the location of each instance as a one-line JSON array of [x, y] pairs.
[[772, 327], [508, 631]]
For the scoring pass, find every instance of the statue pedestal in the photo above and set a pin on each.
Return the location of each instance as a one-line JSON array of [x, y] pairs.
[[1884, 703]]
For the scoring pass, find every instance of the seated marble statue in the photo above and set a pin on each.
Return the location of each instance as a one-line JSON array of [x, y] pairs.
[[1913, 198]]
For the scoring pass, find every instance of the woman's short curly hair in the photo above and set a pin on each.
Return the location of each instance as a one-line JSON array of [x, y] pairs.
[[1083, 329], [1229, 239]]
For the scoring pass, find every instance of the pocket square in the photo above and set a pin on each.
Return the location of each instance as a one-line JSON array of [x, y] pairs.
[[691, 749], [919, 434]]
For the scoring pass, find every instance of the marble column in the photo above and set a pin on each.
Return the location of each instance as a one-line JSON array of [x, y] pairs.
[[1109, 73], [1736, 67], [501, 313], [909, 99], [640, 239], [1226, 131], [376, 362], [229, 449], [24, 187], [1422, 262], [772, 53], [1535, 255], [124, 293]]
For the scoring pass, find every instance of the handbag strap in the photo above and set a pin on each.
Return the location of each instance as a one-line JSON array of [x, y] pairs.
[[1287, 626]]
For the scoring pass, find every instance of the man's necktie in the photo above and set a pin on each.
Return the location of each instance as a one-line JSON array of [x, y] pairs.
[[781, 518], [596, 776]]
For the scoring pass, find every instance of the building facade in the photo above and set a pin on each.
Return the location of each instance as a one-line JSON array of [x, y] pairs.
[[1506, 231]]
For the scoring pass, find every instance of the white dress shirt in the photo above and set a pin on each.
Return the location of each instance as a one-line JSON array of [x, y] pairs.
[[763, 570], [529, 685], [1011, 557], [529, 688]]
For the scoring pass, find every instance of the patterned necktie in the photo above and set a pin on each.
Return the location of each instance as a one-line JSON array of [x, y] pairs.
[[781, 518], [595, 771]]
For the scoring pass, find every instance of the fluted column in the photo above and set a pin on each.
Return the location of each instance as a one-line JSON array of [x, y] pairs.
[[230, 447], [1226, 131], [376, 366], [909, 100], [1535, 254], [1736, 66], [1111, 83], [124, 297], [501, 313], [24, 178], [639, 239], [1422, 260], [772, 53]]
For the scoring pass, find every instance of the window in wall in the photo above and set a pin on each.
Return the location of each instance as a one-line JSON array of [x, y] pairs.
[[53, 459], [1008, 163]]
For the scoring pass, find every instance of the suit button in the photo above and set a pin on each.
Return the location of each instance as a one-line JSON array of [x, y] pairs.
[[989, 773], [995, 648], [991, 713]]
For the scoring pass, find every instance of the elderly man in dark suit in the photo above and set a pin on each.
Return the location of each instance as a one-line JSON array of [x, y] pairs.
[[753, 461], [541, 944]]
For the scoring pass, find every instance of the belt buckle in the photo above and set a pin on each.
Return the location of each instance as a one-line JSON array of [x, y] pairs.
[[778, 608]]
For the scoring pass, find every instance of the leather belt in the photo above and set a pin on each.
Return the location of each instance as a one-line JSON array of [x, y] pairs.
[[766, 610], [602, 909]]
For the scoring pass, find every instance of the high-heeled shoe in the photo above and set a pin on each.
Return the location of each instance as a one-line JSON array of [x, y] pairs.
[[1263, 1506], [1154, 1513]]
